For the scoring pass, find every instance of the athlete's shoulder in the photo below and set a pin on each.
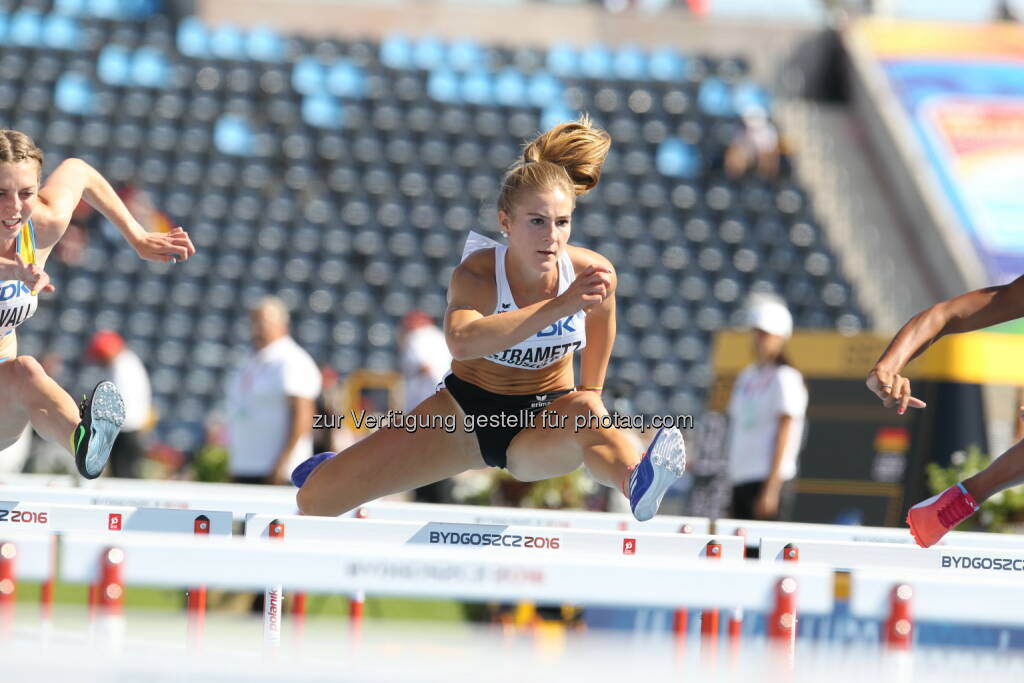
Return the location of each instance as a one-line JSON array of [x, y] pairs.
[[583, 257], [472, 283], [479, 263]]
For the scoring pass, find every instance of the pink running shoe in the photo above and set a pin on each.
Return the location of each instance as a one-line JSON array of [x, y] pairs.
[[930, 519]]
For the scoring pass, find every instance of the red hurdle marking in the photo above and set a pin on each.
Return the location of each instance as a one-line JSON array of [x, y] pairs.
[[197, 595], [357, 601], [899, 628]]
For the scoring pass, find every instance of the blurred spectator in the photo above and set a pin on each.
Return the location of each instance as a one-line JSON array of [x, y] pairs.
[[124, 368], [766, 419], [424, 360], [270, 401], [755, 146], [424, 357]]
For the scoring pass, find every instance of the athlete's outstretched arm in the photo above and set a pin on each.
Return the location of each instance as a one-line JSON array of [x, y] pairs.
[[472, 334], [967, 312], [74, 180]]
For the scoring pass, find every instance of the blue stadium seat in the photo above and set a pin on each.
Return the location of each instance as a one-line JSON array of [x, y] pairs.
[[233, 135], [444, 85], [677, 159], [465, 55], [396, 52], [596, 61], [264, 44], [428, 53], [563, 60], [630, 63], [345, 79], [192, 38], [150, 68], [59, 32], [322, 111], [74, 94], [25, 27], [666, 64], [227, 42], [477, 87]]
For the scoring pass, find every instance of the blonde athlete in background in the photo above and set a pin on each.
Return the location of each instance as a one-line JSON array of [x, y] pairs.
[[930, 519], [32, 221], [516, 315]]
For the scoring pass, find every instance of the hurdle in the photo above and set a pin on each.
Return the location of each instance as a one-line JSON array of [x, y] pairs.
[[481, 514], [276, 500], [933, 566], [755, 530], [25, 555], [493, 538], [430, 572], [16, 516]]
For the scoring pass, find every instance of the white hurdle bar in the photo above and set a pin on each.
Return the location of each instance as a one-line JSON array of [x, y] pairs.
[[485, 514], [754, 531], [276, 500]]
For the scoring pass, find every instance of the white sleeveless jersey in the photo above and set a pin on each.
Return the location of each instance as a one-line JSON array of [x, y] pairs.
[[551, 344], [17, 303]]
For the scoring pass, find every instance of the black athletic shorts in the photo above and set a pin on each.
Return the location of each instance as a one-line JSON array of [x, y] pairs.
[[480, 404]]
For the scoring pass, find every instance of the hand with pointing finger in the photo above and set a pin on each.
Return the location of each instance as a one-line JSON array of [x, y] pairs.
[[893, 389]]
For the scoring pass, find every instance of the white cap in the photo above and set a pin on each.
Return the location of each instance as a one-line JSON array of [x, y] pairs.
[[771, 317]]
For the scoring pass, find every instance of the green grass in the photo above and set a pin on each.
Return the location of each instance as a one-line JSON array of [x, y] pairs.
[[157, 599]]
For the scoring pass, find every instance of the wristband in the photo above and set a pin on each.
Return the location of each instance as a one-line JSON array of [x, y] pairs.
[[580, 387]]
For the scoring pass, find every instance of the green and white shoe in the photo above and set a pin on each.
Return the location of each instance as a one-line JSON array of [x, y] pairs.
[[102, 416]]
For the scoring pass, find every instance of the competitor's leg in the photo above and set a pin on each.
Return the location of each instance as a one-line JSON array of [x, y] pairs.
[[40, 400], [545, 450], [392, 460], [1004, 472], [539, 452]]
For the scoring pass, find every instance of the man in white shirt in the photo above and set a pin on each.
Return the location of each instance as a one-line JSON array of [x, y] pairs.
[[124, 368], [270, 401], [424, 357]]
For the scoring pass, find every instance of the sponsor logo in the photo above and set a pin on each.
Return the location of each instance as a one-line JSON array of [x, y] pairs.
[[13, 289], [114, 521], [273, 611], [629, 546], [1001, 564], [563, 326], [502, 540], [23, 517]]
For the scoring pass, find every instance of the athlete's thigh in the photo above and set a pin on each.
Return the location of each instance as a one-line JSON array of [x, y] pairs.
[[430, 446], [551, 446], [13, 415]]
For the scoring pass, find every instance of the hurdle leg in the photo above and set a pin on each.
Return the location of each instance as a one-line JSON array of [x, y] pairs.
[[709, 626], [197, 596], [899, 628], [356, 604], [8, 555], [110, 596]]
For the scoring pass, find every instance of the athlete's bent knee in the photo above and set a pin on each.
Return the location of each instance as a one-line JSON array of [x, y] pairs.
[[27, 369]]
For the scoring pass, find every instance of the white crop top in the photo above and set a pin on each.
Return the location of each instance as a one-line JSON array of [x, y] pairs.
[[17, 303], [549, 345]]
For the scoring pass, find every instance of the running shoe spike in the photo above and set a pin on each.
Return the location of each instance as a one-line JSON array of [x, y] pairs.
[[102, 415]]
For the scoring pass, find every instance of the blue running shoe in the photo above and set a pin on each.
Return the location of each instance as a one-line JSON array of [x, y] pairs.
[[660, 467], [306, 467]]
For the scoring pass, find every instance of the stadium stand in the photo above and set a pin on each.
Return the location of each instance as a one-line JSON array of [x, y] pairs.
[[343, 175]]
